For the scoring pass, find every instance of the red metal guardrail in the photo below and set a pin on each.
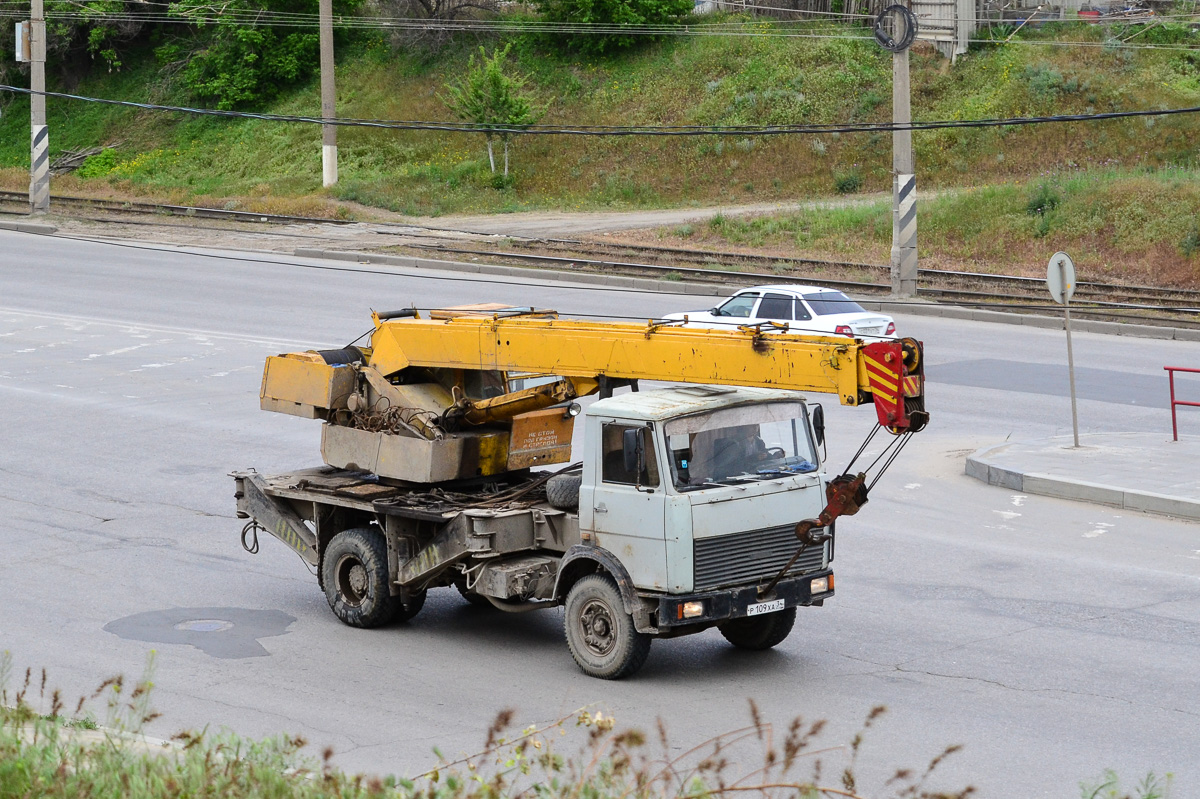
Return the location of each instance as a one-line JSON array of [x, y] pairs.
[[1171, 370]]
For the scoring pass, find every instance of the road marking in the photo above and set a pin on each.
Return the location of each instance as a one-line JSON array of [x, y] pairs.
[[136, 329]]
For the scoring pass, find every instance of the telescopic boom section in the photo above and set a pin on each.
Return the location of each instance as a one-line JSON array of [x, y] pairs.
[[887, 372]]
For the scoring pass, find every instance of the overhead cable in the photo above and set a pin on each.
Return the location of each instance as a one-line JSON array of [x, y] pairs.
[[622, 130]]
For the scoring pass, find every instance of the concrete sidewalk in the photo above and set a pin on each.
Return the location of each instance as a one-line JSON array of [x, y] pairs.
[[1138, 471]]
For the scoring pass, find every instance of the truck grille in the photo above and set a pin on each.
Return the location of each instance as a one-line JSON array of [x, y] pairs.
[[750, 557]]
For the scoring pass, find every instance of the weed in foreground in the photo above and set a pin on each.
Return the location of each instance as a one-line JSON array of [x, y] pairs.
[[583, 755], [1109, 787]]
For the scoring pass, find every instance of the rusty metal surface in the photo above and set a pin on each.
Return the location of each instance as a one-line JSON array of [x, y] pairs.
[[276, 517], [540, 438]]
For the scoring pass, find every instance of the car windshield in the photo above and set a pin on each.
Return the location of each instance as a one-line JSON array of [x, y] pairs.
[[737, 445], [739, 305], [832, 302]]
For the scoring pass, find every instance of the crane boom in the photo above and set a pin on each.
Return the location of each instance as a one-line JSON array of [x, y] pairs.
[[583, 351], [446, 378]]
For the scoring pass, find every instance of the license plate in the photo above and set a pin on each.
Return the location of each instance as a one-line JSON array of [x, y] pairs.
[[760, 608]]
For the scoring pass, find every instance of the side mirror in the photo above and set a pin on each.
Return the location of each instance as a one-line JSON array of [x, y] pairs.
[[715, 312], [633, 446], [818, 424]]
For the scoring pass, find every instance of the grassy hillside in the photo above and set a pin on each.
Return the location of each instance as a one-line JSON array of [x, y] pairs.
[[728, 80], [692, 80], [1140, 225]]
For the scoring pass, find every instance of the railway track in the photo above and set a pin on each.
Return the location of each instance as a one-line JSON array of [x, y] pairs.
[[12, 198], [1093, 300]]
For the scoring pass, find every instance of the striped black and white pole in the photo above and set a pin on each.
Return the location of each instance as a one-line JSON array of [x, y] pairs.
[[904, 236], [39, 169], [39, 134], [904, 184]]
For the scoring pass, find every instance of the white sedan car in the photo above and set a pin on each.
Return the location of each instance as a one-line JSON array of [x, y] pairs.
[[804, 309]]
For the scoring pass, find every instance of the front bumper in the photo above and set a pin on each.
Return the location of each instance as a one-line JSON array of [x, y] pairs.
[[734, 603]]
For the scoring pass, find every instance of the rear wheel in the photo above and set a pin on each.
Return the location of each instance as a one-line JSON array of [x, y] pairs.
[[600, 634], [759, 632], [355, 574]]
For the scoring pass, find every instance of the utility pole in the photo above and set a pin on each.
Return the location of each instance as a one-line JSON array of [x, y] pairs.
[[329, 167], [39, 137], [895, 30], [904, 185]]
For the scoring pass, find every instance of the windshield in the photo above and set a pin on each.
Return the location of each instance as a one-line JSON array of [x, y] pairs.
[[739, 305], [736, 445], [832, 302]]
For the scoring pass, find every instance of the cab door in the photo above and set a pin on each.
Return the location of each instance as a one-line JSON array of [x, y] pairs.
[[628, 510]]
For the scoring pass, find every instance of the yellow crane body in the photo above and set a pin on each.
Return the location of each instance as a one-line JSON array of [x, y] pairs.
[[431, 399]]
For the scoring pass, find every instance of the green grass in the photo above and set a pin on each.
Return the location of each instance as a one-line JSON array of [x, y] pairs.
[[686, 80], [1138, 224]]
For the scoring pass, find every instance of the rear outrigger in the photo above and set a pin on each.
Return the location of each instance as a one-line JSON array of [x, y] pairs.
[[695, 506]]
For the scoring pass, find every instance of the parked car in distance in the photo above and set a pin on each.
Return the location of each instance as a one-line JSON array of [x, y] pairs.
[[804, 309]]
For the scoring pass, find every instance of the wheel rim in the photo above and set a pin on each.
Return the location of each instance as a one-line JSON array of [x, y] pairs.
[[599, 629], [352, 580]]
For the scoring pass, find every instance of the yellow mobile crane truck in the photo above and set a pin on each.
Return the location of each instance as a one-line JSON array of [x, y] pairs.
[[696, 506]]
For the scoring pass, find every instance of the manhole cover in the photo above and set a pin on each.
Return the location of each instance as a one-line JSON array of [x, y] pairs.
[[220, 632], [204, 625]]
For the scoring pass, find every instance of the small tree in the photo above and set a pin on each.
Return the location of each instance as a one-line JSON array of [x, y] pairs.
[[487, 96]]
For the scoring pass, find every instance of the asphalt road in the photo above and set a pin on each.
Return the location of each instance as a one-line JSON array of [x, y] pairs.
[[1054, 640]]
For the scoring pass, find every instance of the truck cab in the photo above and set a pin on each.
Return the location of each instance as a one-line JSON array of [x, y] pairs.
[[696, 491]]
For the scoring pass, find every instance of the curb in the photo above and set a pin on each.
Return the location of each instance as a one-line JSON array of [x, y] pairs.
[[916, 308], [1048, 485], [27, 227]]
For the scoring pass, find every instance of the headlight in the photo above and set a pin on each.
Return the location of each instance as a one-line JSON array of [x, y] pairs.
[[690, 610], [819, 585]]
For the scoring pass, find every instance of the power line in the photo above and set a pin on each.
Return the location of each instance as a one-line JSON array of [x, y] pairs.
[[626, 130], [749, 28]]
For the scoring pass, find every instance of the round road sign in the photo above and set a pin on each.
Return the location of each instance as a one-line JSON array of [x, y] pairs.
[[1060, 277]]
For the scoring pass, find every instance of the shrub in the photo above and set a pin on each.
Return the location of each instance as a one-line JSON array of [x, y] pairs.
[[1191, 241], [610, 13], [237, 63], [847, 182], [1042, 200], [98, 165]]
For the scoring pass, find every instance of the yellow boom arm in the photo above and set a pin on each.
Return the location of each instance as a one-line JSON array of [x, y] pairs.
[[888, 371]]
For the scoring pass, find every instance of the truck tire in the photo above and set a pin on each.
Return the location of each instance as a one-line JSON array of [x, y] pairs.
[[600, 634], [355, 574], [562, 490], [759, 632]]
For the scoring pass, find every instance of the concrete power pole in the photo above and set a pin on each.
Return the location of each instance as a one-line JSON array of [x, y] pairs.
[[39, 137], [904, 185], [329, 167]]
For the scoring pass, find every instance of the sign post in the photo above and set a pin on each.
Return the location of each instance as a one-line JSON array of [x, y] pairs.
[[1060, 279]]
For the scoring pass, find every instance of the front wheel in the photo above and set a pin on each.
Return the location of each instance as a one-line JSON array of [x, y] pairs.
[[355, 574], [600, 634], [759, 632]]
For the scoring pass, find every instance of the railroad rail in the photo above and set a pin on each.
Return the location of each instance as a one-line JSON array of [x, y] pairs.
[[1092, 300], [1154, 305], [120, 206]]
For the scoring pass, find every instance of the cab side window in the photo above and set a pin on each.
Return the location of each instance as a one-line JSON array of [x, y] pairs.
[[612, 467]]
